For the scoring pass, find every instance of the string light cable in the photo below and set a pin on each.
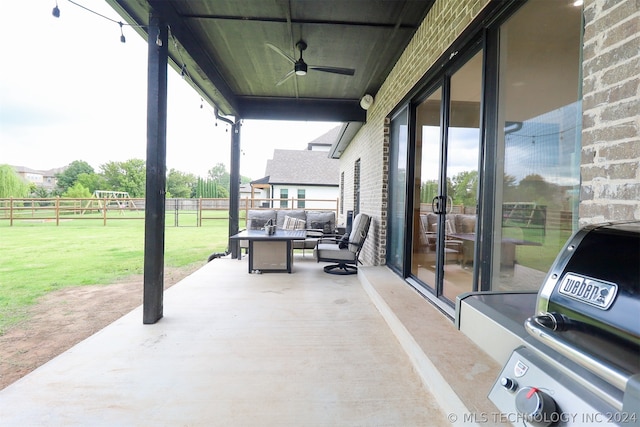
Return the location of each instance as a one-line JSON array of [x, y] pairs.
[[56, 13], [542, 135], [184, 72]]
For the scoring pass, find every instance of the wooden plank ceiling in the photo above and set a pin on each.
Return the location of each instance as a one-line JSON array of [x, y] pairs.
[[238, 53]]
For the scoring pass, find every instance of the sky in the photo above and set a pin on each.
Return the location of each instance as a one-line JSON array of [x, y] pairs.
[[70, 90]]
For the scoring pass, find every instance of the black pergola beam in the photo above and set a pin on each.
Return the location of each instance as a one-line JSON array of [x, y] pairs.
[[227, 98], [156, 170], [329, 110]]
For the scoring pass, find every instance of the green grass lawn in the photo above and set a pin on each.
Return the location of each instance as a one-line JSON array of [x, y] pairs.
[[36, 258], [538, 257]]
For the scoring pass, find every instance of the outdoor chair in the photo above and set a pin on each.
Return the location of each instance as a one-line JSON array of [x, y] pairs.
[[344, 251], [453, 248]]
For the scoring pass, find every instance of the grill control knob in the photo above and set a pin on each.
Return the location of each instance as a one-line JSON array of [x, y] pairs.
[[537, 407], [508, 383]]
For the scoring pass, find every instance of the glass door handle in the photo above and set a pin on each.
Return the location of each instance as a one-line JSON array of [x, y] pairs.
[[436, 205]]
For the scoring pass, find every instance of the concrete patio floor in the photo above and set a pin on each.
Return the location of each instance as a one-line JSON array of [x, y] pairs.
[[233, 349]]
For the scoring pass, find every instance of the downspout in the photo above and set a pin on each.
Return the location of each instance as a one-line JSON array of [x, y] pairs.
[[234, 184]]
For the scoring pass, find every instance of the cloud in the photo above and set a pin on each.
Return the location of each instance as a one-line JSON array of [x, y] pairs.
[[72, 91]]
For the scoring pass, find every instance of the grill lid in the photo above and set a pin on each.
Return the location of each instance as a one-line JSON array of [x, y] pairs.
[[595, 281], [591, 298]]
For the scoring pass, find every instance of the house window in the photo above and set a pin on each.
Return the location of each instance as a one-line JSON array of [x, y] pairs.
[[301, 203], [356, 188], [284, 198]]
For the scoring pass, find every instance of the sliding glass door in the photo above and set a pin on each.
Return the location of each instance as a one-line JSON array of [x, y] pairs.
[[494, 134], [398, 152], [447, 151], [461, 177]]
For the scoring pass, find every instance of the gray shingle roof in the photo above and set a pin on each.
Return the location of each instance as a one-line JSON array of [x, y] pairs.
[[326, 139], [303, 167]]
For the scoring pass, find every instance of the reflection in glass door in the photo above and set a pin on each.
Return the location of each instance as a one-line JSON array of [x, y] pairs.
[[446, 183], [427, 178], [397, 181], [463, 148]]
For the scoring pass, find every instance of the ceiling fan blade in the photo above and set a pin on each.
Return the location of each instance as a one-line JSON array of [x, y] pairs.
[[276, 49], [334, 70], [285, 78]]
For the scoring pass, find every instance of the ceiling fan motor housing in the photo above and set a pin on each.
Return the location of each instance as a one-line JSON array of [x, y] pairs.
[[300, 68]]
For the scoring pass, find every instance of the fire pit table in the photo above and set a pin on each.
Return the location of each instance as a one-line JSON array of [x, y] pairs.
[[270, 252]]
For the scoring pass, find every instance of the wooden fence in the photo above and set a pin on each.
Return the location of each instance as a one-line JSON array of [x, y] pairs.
[[184, 212]]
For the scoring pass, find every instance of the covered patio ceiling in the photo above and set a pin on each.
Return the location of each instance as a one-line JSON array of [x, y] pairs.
[[237, 53]]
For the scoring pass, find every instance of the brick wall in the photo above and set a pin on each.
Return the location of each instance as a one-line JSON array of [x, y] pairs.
[[444, 23], [610, 168], [610, 165]]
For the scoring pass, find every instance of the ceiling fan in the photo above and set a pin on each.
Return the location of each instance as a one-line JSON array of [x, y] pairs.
[[300, 67]]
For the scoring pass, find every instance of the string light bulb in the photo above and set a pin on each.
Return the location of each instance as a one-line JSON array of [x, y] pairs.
[[56, 11], [122, 38], [158, 40]]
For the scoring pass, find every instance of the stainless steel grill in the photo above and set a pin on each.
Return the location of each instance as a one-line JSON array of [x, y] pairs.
[[580, 362]]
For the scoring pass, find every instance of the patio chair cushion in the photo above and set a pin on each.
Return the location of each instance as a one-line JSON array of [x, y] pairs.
[[454, 223], [450, 226], [282, 215], [465, 224], [359, 230], [332, 251], [257, 218]]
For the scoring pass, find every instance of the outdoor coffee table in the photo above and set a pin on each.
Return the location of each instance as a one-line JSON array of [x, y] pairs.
[[270, 252]]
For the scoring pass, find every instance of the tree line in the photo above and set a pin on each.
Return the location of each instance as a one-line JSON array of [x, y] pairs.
[[79, 180], [463, 190]]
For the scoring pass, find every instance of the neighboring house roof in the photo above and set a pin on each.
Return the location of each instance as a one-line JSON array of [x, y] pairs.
[[24, 169], [303, 167], [45, 173], [264, 180], [325, 140]]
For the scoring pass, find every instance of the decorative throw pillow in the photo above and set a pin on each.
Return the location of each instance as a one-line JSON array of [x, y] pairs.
[[325, 226], [281, 214], [320, 220], [257, 218], [289, 223]]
